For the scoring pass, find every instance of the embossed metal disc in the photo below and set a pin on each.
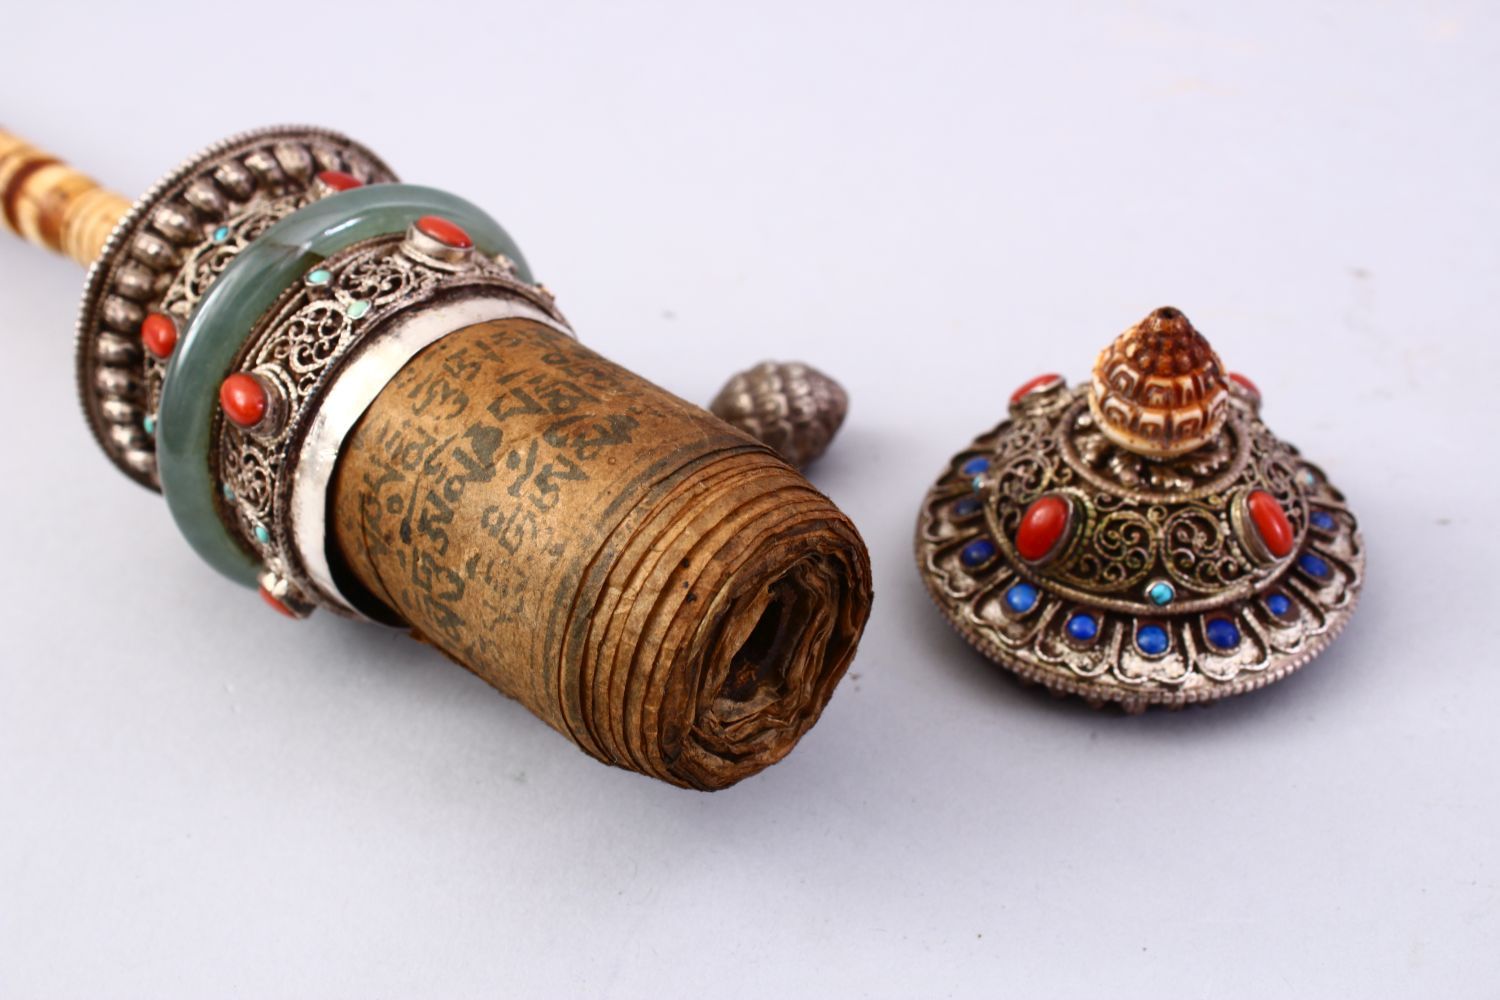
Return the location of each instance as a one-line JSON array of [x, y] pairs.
[[171, 224], [1095, 571]]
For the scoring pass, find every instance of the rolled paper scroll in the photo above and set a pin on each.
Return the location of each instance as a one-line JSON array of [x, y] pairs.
[[656, 585]]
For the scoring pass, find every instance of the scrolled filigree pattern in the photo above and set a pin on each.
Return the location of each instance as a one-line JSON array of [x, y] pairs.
[[1142, 520], [295, 349], [313, 336], [1199, 552]]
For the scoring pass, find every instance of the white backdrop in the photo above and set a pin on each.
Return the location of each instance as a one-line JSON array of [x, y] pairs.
[[932, 202]]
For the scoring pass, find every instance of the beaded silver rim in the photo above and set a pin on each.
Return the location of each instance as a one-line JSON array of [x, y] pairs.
[[140, 265]]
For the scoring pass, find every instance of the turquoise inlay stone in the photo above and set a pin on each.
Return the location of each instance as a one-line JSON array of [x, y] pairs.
[[319, 276], [1222, 633], [975, 466], [228, 492], [977, 483], [356, 309], [977, 553], [1082, 627], [221, 234], [1161, 592], [1278, 604], [282, 255], [262, 535], [1021, 598], [148, 424], [1152, 640]]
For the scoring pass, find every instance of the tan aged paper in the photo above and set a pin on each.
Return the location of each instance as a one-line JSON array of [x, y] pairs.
[[657, 586]]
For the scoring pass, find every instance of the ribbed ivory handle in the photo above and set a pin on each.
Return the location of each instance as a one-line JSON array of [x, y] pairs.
[[48, 203]]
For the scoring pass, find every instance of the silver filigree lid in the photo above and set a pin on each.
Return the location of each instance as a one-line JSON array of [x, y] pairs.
[[1093, 563]]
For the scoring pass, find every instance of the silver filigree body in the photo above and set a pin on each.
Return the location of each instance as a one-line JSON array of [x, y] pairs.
[[790, 406], [334, 322], [1160, 591], [164, 254]]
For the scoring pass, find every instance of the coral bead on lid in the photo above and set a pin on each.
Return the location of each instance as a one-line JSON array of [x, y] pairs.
[[1042, 527]]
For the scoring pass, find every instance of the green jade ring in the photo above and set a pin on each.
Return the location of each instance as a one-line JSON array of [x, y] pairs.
[[284, 253]]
